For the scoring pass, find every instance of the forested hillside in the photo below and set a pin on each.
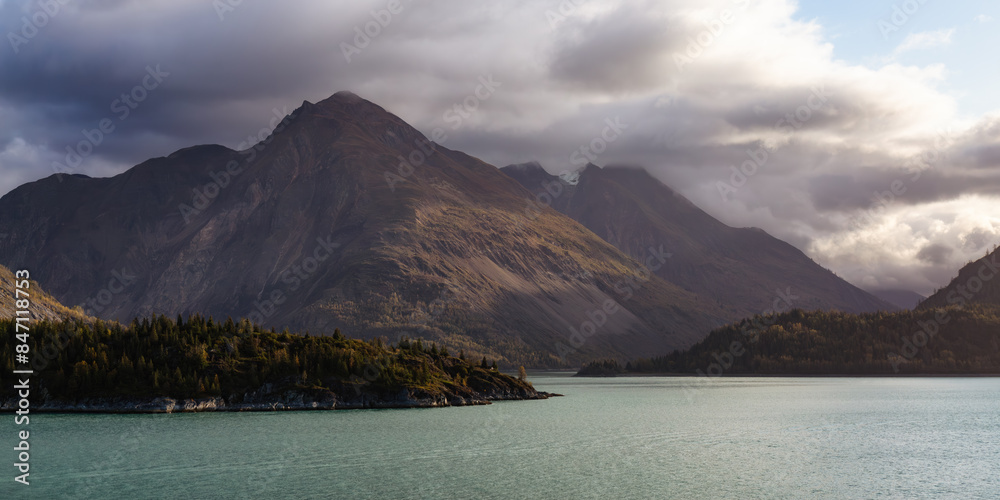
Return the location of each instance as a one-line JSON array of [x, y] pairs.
[[927, 341], [198, 358]]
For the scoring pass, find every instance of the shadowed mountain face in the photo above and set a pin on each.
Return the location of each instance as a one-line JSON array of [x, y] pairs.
[[746, 270], [348, 217], [977, 283]]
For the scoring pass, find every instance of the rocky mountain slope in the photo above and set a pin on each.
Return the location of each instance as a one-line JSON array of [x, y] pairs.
[[40, 304], [745, 269], [348, 217]]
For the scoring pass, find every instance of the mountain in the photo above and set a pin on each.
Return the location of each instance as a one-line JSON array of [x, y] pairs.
[[347, 217], [745, 269], [977, 283], [41, 305], [904, 299]]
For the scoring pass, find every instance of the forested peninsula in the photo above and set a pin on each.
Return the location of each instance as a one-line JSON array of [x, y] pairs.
[[163, 365]]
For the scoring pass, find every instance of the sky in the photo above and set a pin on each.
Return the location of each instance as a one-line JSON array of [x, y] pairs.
[[866, 133]]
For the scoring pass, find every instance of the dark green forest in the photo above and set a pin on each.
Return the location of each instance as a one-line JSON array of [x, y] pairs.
[[200, 357], [926, 341]]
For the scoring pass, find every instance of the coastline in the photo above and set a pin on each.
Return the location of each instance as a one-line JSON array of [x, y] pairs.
[[798, 375], [287, 402]]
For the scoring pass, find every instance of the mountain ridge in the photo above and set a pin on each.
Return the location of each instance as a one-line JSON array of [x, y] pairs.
[[976, 283], [744, 267], [347, 217]]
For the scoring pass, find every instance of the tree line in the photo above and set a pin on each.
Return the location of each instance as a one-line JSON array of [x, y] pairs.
[[927, 341], [201, 357]]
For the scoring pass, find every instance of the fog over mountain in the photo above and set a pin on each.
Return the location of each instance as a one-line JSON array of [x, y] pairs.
[[881, 164]]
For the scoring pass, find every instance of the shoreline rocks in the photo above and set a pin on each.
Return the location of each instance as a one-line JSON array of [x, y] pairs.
[[265, 399]]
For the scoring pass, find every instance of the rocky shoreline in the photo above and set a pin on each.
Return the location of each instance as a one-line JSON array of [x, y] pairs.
[[265, 399]]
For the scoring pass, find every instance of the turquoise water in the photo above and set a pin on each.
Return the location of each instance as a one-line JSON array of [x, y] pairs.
[[608, 438]]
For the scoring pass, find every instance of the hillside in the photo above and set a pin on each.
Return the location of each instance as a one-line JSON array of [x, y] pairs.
[[977, 283], [928, 341], [346, 217], [41, 305], [742, 268]]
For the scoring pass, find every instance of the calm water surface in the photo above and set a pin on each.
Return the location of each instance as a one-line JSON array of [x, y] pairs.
[[608, 438]]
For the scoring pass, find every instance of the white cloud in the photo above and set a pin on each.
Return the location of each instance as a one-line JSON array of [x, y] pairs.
[[983, 18], [888, 254], [924, 40]]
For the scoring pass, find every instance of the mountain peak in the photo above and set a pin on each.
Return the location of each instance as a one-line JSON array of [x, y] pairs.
[[350, 109], [345, 94], [346, 98], [743, 268], [529, 167]]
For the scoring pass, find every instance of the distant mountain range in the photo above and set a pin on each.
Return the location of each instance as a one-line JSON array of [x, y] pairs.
[[904, 299], [745, 270], [347, 217], [956, 331]]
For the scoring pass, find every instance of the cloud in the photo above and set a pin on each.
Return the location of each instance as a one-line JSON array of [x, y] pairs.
[[699, 83], [983, 18], [924, 40], [935, 253]]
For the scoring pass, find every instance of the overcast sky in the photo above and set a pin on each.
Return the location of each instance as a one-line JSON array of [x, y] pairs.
[[836, 102]]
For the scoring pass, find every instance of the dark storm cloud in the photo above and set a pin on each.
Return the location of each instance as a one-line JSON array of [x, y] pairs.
[[935, 253], [220, 78], [835, 134]]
